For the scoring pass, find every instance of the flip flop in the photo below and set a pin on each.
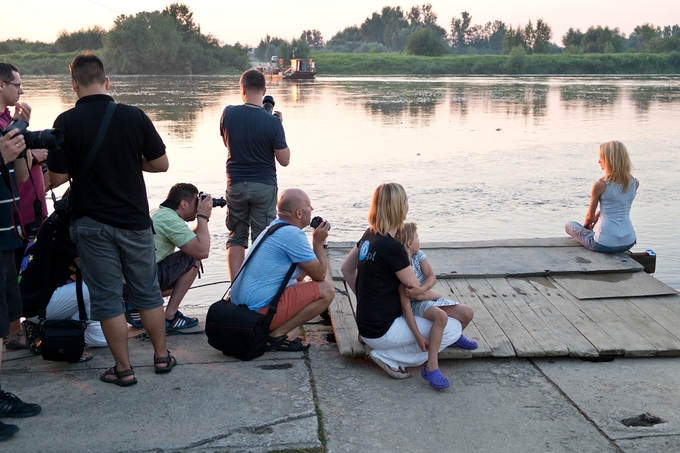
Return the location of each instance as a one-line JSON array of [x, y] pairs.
[[86, 357], [105, 377], [435, 378], [464, 343]]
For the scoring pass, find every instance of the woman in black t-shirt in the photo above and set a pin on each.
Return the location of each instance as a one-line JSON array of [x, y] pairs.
[[375, 269]]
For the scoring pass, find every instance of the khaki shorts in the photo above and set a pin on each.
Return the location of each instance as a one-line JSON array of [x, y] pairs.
[[250, 206]]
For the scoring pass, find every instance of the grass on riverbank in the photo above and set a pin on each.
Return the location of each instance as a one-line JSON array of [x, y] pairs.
[[40, 63], [394, 64]]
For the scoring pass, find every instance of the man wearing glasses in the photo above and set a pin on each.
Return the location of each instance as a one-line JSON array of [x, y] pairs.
[[11, 145]]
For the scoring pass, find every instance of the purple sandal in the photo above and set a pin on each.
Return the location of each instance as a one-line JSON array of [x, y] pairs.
[[435, 378], [464, 343]]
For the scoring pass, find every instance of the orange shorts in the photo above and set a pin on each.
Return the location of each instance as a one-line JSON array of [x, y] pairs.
[[293, 299]]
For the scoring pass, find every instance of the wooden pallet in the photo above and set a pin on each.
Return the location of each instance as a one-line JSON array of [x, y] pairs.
[[531, 314]]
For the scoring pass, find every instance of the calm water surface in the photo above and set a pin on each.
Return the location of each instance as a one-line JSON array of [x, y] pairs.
[[481, 158]]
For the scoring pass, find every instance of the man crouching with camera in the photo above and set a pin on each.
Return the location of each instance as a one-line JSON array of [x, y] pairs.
[[177, 270], [261, 275]]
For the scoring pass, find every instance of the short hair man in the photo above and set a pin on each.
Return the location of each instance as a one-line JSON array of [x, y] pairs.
[[11, 145], [177, 270], [263, 273], [256, 141], [110, 213]]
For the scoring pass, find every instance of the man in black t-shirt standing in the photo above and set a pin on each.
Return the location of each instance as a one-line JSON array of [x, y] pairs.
[[110, 221]]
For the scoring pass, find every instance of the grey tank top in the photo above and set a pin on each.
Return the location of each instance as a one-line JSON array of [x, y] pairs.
[[614, 228]]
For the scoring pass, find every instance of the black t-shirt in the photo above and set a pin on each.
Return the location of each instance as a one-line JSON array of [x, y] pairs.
[[377, 285], [62, 265], [112, 191]]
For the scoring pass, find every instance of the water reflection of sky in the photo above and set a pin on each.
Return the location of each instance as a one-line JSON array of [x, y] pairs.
[[481, 157]]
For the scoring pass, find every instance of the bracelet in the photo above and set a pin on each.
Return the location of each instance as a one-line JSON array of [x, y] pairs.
[[203, 216]]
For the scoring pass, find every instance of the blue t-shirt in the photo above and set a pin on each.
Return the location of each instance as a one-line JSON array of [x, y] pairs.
[[253, 134], [262, 276]]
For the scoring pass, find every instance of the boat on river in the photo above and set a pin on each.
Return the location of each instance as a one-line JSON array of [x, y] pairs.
[[300, 70]]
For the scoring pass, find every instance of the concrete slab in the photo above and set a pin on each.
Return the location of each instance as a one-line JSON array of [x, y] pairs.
[[609, 392], [209, 401], [502, 405]]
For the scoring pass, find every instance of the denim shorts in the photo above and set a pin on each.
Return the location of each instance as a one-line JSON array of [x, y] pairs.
[[250, 206], [107, 256]]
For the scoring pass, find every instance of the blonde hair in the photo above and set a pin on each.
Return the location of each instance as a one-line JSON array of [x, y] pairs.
[[616, 163], [406, 233], [388, 207]]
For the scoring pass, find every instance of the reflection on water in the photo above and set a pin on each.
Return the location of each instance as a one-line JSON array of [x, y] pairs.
[[481, 158]]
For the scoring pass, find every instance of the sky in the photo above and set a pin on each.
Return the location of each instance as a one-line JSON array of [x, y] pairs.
[[240, 21]]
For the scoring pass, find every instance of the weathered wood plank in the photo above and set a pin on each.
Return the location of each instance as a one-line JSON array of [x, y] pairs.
[[488, 328], [475, 259], [665, 343], [632, 343], [550, 344], [564, 303], [525, 345], [471, 331], [576, 343], [344, 324]]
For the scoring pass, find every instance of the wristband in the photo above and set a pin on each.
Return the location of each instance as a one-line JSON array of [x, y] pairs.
[[203, 216]]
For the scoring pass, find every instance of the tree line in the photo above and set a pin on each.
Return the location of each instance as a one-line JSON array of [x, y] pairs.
[[415, 32], [158, 42]]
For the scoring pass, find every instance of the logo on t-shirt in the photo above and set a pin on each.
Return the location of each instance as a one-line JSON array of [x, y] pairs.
[[363, 252]]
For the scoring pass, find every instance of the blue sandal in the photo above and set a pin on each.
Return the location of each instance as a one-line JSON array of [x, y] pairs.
[[464, 343], [435, 378]]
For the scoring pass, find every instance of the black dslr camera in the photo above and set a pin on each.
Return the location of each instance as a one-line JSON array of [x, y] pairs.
[[268, 103], [50, 139], [316, 221], [221, 202]]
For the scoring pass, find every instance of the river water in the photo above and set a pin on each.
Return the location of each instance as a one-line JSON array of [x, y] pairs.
[[481, 157]]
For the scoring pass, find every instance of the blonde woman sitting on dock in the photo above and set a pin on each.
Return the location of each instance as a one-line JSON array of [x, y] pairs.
[[374, 270], [609, 230]]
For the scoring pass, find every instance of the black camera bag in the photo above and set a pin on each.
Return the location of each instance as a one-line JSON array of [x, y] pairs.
[[63, 340], [235, 329]]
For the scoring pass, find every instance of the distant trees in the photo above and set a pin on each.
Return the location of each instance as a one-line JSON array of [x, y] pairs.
[[388, 30], [425, 41], [90, 39], [644, 38], [314, 39], [167, 41], [534, 39], [474, 39]]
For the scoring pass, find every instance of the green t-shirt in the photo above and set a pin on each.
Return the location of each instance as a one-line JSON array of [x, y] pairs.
[[171, 231]]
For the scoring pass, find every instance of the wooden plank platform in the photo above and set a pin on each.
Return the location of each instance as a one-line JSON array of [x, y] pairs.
[[521, 311]]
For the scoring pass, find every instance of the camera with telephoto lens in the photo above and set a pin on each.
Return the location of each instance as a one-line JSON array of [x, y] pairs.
[[50, 139], [221, 202], [316, 221], [268, 103]]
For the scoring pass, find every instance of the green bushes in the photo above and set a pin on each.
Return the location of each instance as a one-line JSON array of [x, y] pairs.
[[515, 63]]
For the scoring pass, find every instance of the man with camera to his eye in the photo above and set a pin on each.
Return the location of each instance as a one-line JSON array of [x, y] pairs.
[[12, 144], [177, 270], [110, 222], [263, 273], [256, 141]]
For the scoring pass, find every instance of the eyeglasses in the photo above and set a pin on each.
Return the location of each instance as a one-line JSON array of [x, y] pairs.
[[18, 85]]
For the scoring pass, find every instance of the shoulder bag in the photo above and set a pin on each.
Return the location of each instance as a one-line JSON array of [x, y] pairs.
[[235, 329]]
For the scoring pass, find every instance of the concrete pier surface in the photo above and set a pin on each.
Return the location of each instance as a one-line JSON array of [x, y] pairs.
[[318, 401]]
